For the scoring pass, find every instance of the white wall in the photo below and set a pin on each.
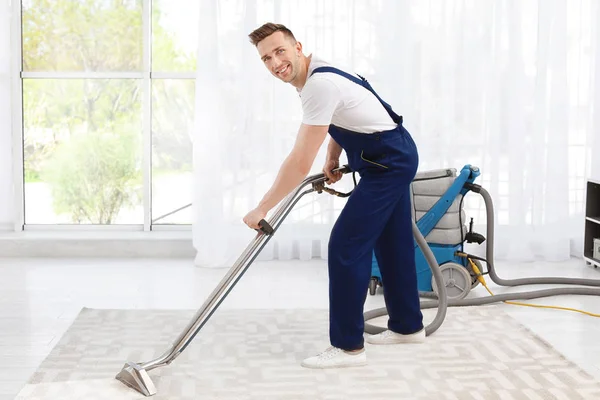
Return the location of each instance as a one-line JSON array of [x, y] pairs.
[[6, 174]]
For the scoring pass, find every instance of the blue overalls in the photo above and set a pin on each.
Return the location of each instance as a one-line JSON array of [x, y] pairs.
[[377, 216]]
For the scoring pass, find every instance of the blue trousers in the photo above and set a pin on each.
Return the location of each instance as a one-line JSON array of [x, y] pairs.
[[377, 216]]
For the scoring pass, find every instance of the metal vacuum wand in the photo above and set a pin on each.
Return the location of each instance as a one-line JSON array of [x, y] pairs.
[[135, 375]]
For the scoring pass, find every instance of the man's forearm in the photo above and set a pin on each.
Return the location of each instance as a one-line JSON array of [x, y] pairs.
[[334, 150], [289, 177]]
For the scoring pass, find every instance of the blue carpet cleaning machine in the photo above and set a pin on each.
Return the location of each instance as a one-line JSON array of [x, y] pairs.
[[437, 208]]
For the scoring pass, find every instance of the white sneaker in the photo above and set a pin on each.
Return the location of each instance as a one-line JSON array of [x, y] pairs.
[[336, 358], [391, 337]]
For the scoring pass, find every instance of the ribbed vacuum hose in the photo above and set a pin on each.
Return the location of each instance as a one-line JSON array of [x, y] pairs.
[[523, 281], [437, 274], [442, 303]]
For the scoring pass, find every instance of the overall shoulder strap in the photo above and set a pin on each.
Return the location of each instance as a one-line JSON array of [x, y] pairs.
[[339, 72], [362, 82]]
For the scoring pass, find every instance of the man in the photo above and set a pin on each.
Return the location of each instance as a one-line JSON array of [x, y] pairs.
[[376, 216]]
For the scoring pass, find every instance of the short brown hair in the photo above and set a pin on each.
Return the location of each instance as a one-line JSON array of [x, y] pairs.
[[268, 29]]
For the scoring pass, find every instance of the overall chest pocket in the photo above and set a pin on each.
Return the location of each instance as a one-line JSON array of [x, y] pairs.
[[377, 159]]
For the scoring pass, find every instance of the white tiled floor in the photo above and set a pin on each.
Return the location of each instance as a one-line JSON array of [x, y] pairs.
[[40, 298]]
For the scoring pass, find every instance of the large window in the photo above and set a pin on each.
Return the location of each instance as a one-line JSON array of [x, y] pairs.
[[108, 105]]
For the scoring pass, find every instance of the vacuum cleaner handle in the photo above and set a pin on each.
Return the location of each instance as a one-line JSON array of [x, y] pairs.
[[344, 170], [265, 227]]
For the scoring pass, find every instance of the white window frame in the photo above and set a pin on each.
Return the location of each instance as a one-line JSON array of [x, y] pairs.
[[16, 116], [146, 76]]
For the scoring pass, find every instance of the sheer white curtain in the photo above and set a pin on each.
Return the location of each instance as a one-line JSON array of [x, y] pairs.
[[511, 86], [6, 207]]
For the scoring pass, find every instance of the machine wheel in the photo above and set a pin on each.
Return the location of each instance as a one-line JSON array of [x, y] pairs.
[[373, 286], [456, 279]]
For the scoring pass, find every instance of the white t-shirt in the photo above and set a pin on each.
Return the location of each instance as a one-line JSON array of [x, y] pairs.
[[328, 98]]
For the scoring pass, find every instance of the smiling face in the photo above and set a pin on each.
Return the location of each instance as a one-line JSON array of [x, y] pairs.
[[282, 56]]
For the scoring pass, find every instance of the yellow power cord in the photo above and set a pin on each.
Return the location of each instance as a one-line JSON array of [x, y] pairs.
[[482, 281]]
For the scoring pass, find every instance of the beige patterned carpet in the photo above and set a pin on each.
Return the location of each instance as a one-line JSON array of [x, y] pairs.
[[478, 353]]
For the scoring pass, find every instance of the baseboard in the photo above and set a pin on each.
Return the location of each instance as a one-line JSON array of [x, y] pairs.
[[97, 244]]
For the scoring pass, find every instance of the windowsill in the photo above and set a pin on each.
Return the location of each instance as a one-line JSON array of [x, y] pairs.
[[100, 243], [98, 234]]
